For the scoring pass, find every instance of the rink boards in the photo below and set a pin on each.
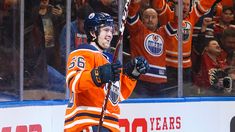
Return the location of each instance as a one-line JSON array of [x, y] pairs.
[[207, 114]]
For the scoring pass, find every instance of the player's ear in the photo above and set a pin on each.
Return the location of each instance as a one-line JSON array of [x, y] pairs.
[[92, 33]]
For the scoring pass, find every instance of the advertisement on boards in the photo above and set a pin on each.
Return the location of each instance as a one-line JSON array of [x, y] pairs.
[[178, 117], [218, 116]]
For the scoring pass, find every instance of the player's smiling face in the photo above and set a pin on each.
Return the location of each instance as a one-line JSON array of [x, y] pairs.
[[105, 36]]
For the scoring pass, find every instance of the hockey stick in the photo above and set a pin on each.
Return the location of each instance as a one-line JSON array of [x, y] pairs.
[[115, 58], [124, 53]]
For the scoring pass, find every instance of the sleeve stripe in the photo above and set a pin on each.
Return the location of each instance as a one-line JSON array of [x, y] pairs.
[[163, 7], [164, 10], [197, 11], [70, 76], [200, 9], [76, 80], [133, 19], [170, 31]]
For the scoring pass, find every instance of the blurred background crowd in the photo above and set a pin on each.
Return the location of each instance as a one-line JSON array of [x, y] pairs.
[[34, 45]]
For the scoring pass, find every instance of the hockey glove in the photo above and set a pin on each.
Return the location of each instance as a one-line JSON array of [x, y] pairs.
[[215, 75], [135, 67], [105, 73], [212, 77]]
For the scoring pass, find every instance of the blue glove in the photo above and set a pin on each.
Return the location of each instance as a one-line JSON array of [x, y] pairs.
[[136, 67], [106, 73]]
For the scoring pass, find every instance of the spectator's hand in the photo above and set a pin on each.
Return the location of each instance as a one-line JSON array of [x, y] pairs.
[[57, 10], [48, 38], [206, 21], [106, 73], [136, 66]]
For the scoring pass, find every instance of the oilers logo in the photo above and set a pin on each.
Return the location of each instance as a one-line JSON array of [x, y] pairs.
[[153, 44], [92, 15], [114, 92], [186, 31]]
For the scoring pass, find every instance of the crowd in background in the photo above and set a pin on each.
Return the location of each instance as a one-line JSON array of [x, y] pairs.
[[151, 31]]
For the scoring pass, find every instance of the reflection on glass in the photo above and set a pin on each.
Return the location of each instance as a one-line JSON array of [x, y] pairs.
[[43, 78], [151, 31], [194, 47], [9, 50]]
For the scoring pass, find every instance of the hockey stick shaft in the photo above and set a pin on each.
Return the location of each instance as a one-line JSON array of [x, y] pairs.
[[115, 58], [124, 53]]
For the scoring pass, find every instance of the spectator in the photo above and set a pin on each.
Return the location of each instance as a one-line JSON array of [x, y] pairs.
[[48, 21], [78, 35], [9, 49], [224, 21], [212, 58], [146, 40], [216, 70], [75, 5], [228, 44], [41, 53], [228, 41], [215, 26], [191, 14], [198, 40], [213, 14]]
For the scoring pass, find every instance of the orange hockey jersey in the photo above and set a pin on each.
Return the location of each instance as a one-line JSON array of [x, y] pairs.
[[172, 44], [86, 99], [167, 16], [149, 44]]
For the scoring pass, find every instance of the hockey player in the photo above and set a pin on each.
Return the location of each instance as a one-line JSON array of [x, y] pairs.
[[89, 70]]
